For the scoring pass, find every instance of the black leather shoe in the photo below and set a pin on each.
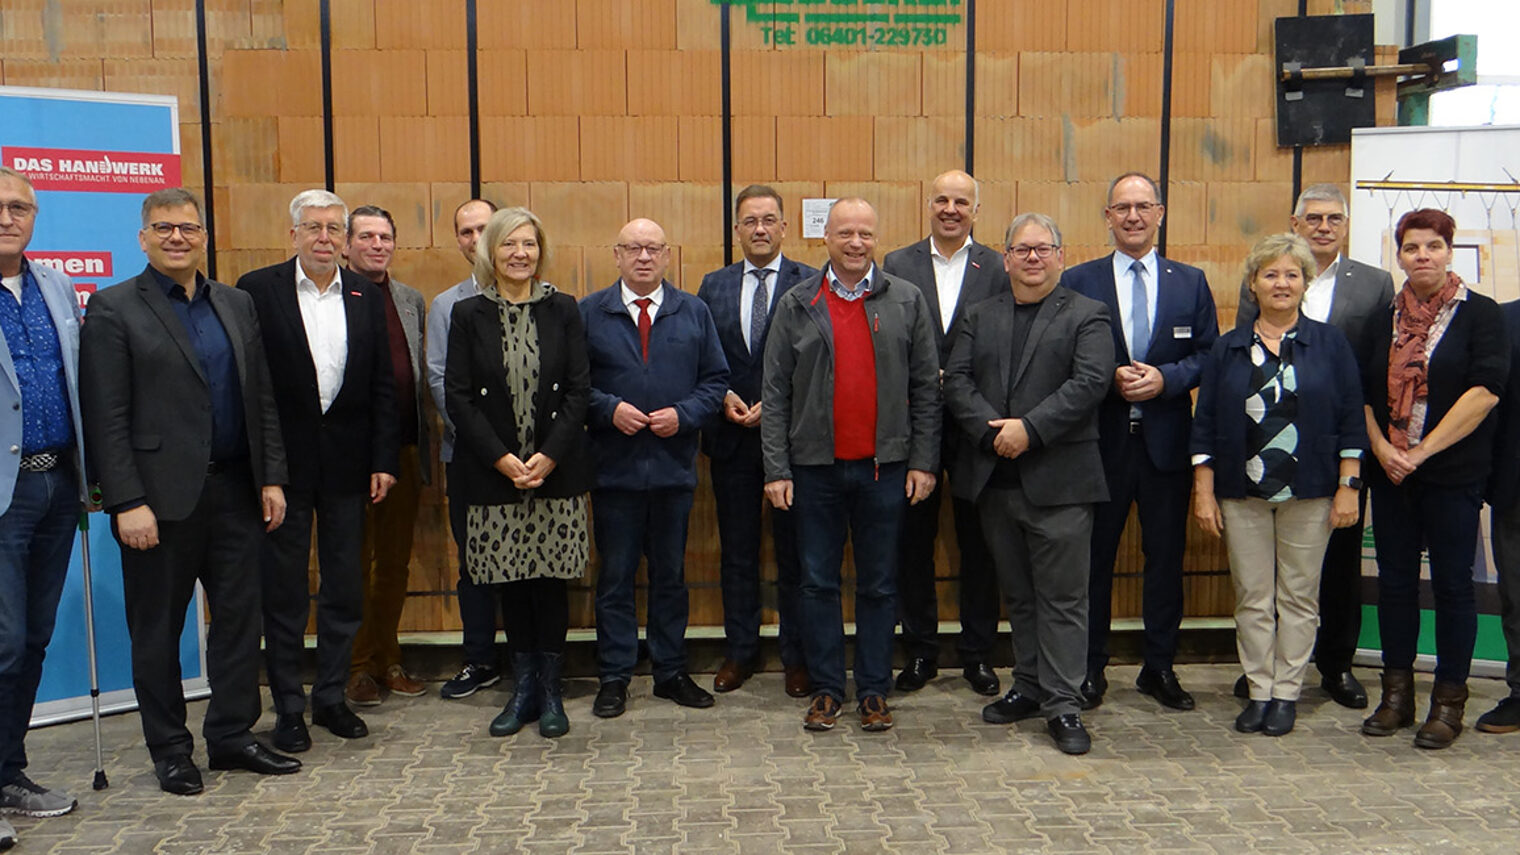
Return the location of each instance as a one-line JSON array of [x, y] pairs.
[[256, 758], [1163, 686], [1503, 718], [1093, 690], [1250, 718], [1010, 708], [918, 673], [1279, 718], [1345, 689], [983, 680], [684, 691], [178, 775], [290, 734], [611, 699], [1070, 736], [341, 720], [1243, 688]]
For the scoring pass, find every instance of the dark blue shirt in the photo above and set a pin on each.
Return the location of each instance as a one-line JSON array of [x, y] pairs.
[[229, 431], [46, 424]]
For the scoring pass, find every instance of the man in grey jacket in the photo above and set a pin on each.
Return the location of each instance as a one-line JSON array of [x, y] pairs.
[[850, 433]]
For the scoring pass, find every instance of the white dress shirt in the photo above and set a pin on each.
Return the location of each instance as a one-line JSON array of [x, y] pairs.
[[1124, 291], [747, 285], [654, 296], [1321, 293], [949, 274], [326, 331]]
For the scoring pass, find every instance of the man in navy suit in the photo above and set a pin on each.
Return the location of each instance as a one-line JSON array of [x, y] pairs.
[[741, 298], [1163, 320], [955, 273]]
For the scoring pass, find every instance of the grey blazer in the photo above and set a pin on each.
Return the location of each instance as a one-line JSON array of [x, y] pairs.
[[1063, 374], [412, 309], [985, 277], [1360, 291]]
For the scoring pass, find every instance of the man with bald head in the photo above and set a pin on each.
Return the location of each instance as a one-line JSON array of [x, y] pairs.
[[955, 273], [657, 376], [849, 431]]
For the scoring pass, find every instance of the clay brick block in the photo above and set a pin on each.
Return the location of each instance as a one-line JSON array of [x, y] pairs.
[[257, 216], [1241, 213], [1242, 85], [430, 271], [1019, 25], [997, 84], [300, 151], [701, 147], [778, 82], [448, 83], [1273, 163], [353, 24], [566, 270], [944, 84], [917, 148], [1213, 149], [269, 83], [698, 261], [697, 24], [1074, 84], [424, 148], [674, 83], [581, 213], [634, 24], [900, 210], [1207, 26], [1187, 212], [524, 148], [1222, 266], [599, 266], [502, 76], [823, 149], [246, 151], [227, 26], [1330, 163], [408, 202], [233, 263], [999, 205], [356, 148], [266, 23], [112, 29], [1192, 85], [1112, 25], [1076, 208], [577, 83], [436, 24], [178, 77], [1101, 148], [870, 83], [64, 74], [448, 196], [526, 25], [620, 148], [1267, 13], [691, 213], [192, 167], [379, 82], [1018, 149]]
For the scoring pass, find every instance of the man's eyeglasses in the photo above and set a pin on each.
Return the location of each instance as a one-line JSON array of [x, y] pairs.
[[769, 222], [1042, 251], [1122, 209], [1333, 220], [312, 229], [637, 250], [19, 210], [191, 231]]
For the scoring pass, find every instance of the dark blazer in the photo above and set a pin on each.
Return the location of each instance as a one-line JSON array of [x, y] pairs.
[[720, 290], [359, 434], [1360, 291], [146, 403], [1185, 329], [479, 401], [1064, 370], [1330, 418], [1504, 483], [1473, 352], [985, 277]]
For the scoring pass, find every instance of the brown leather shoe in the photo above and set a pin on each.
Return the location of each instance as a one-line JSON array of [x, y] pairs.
[[798, 684], [732, 675], [1447, 703], [822, 713], [401, 683], [362, 690], [874, 715], [1396, 709]]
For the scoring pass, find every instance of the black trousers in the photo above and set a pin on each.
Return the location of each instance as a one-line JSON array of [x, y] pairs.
[[287, 595], [1340, 597], [218, 544], [917, 599]]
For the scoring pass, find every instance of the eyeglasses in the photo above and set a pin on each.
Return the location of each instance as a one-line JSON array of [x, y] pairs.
[[1122, 209], [1043, 250], [1333, 220], [313, 229], [19, 210], [190, 231], [769, 221], [637, 250]]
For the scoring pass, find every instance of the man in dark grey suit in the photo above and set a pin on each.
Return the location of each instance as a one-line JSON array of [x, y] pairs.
[[1027, 373], [184, 439], [955, 273], [1345, 294]]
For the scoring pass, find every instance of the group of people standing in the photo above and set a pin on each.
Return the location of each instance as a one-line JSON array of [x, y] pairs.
[[220, 423]]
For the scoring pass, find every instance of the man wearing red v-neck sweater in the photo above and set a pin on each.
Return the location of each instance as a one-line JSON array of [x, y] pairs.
[[850, 432]]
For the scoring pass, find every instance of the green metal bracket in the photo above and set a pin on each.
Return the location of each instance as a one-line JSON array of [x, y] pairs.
[[1414, 94]]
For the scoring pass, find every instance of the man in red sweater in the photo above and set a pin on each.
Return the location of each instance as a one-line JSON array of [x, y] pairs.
[[850, 433]]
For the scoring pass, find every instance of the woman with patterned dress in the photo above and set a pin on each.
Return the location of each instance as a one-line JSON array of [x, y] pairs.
[[1277, 444], [516, 385], [1439, 365]]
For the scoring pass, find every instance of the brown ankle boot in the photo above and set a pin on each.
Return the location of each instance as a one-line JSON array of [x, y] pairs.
[[1441, 727], [1396, 709]]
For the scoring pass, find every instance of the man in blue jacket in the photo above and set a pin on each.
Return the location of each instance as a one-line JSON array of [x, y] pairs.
[[657, 376]]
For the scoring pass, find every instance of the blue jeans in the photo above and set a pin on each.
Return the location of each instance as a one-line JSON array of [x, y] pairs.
[[630, 525], [36, 539], [1444, 521], [850, 497]]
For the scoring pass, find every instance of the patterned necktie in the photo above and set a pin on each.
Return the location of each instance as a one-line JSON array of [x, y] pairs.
[[759, 308], [1140, 315], [644, 324]]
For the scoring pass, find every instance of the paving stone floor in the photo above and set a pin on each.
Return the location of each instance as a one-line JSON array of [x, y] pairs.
[[744, 777]]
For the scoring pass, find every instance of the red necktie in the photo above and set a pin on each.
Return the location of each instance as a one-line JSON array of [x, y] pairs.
[[644, 323]]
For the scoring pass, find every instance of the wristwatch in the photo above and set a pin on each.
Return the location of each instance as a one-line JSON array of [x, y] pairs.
[[1351, 481]]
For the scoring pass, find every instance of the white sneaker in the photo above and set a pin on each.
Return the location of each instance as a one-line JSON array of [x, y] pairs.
[[25, 797]]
